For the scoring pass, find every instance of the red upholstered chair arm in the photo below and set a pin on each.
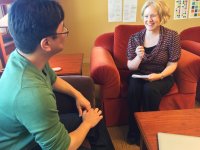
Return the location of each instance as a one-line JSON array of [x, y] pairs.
[[188, 72], [105, 41], [191, 46], [104, 72]]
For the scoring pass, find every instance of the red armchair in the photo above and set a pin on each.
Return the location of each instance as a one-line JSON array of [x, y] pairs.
[[109, 70], [190, 41]]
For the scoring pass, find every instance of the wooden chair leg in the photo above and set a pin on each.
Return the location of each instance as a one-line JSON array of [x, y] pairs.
[[2, 52]]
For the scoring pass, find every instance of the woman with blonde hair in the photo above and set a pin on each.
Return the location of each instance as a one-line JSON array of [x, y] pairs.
[[154, 52]]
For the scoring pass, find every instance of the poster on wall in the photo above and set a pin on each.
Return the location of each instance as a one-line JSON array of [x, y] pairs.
[[181, 9], [194, 11], [130, 11], [114, 10]]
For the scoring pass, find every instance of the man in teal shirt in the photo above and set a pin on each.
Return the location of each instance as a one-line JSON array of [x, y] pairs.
[[28, 113]]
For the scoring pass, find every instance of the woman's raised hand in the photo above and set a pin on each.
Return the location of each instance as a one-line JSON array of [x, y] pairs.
[[140, 51]]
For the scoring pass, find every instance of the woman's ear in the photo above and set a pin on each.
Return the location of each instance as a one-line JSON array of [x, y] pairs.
[[45, 44]]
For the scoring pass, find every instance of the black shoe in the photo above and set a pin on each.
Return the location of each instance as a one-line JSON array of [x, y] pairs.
[[131, 140]]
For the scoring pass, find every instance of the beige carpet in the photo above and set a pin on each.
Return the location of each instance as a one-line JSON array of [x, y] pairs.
[[118, 136]]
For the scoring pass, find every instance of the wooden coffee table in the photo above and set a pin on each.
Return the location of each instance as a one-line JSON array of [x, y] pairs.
[[71, 64], [185, 122]]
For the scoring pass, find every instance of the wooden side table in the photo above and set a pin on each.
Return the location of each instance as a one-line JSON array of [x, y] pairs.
[[71, 64], [185, 122]]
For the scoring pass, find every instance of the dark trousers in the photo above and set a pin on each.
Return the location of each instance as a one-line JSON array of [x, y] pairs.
[[98, 136], [146, 96]]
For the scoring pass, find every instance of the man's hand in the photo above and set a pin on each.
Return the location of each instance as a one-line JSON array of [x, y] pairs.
[[92, 117], [82, 103]]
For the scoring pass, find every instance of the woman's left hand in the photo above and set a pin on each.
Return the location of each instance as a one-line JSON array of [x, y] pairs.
[[82, 103], [154, 77]]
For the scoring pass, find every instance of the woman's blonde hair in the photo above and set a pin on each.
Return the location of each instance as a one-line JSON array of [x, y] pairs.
[[160, 6]]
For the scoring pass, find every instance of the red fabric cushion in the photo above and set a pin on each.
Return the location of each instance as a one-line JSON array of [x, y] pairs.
[[121, 37], [177, 101], [106, 41], [191, 46], [187, 72], [173, 90], [116, 111], [104, 72], [191, 34]]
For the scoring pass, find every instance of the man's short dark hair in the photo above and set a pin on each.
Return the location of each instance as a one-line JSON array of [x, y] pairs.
[[32, 20]]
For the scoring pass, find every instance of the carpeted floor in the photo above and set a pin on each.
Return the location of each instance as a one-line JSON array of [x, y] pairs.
[[118, 136]]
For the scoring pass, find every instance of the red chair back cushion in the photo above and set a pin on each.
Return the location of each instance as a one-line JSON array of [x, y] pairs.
[[191, 34], [121, 37]]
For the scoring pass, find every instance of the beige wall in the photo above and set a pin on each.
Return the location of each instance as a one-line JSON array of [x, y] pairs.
[[86, 19]]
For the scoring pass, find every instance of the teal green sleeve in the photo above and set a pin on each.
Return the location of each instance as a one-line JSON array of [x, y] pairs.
[[51, 73], [37, 111]]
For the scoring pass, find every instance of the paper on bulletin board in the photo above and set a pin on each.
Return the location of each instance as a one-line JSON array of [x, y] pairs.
[[130, 11], [194, 11], [114, 10], [181, 9]]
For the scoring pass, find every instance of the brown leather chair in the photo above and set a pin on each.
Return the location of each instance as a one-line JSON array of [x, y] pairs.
[[83, 84]]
